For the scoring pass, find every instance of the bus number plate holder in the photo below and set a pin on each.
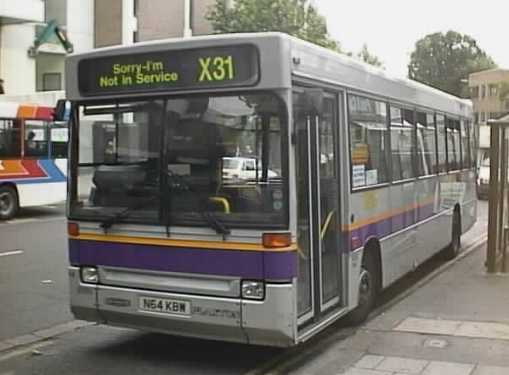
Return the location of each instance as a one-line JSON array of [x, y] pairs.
[[165, 306]]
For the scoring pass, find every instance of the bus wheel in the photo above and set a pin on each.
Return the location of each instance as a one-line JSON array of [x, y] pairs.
[[8, 202], [454, 247], [368, 289]]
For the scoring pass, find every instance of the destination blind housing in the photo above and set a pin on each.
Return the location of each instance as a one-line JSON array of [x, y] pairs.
[[230, 66]]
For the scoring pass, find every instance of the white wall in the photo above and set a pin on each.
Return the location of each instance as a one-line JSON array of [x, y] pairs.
[[49, 63], [16, 68], [80, 24], [48, 98], [484, 136], [26, 10]]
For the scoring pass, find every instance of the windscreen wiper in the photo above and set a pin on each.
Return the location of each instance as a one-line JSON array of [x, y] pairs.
[[108, 222]]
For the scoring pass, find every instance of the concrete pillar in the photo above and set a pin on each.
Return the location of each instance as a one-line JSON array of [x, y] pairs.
[[128, 22], [187, 32], [16, 68]]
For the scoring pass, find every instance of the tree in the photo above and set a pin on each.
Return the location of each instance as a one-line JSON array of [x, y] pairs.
[[294, 17], [445, 61], [367, 57]]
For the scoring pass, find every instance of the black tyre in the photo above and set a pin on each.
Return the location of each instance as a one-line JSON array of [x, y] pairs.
[[8, 202], [453, 249], [368, 289]]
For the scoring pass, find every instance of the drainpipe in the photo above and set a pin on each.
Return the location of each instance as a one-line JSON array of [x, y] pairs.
[[128, 22], [188, 32]]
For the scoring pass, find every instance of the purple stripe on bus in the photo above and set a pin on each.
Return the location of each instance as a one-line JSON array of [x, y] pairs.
[[244, 264], [389, 225], [426, 211]]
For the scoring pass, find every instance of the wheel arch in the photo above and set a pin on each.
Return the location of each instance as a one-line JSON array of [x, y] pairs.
[[372, 248], [457, 211], [13, 191], [13, 186]]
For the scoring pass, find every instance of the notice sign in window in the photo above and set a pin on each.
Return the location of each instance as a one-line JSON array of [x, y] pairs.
[[230, 66]]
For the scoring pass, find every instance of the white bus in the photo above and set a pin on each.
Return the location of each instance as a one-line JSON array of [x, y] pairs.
[[361, 177], [33, 158]]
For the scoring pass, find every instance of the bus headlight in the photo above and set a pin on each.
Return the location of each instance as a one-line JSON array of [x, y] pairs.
[[253, 289], [89, 275]]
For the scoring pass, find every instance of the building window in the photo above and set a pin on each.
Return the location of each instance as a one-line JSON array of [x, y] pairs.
[[483, 91], [474, 92], [51, 81], [494, 116], [483, 117], [493, 90], [476, 118]]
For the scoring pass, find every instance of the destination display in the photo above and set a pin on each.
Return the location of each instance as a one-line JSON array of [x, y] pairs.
[[169, 70]]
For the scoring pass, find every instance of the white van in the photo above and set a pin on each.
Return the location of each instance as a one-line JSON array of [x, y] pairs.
[[483, 179], [241, 168]]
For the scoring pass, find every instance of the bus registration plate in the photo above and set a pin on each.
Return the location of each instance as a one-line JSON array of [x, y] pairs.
[[163, 305]]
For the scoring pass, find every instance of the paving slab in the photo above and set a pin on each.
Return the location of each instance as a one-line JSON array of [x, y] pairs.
[[369, 361], [448, 368], [491, 370], [360, 371], [403, 365], [431, 326]]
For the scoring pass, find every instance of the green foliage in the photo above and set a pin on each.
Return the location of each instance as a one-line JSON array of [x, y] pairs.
[[445, 61], [367, 57], [294, 17]]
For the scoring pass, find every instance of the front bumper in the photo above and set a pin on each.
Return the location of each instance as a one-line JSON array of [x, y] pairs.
[[268, 322]]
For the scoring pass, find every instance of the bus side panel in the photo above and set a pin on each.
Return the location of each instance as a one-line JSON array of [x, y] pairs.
[[48, 189], [371, 213], [38, 182], [398, 254], [41, 194], [469, 203], [430, 237]]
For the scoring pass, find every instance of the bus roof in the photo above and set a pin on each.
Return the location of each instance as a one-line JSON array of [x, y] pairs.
[[282, 58]]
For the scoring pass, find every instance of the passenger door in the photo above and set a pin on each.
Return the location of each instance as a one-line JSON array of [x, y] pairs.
[[317, 167]]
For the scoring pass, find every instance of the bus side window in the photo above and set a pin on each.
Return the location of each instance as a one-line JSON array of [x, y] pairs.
[[453, 144], [402, 143], [442, 155], [368, 141], [10, 144], [59, 135], [426, 144], [36, 138]]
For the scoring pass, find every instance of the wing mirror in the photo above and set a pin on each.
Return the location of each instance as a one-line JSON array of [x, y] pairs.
[[62, 110]]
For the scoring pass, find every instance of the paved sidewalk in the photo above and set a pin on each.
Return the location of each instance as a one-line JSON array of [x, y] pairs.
[[456, 324]]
